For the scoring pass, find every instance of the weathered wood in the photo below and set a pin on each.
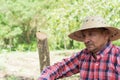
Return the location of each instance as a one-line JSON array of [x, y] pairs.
[[43, 50]]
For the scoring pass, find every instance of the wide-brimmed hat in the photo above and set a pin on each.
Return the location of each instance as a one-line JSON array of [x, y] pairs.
[[95, 22]]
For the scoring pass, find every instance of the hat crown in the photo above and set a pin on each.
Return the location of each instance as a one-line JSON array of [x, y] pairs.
[[93, 22]]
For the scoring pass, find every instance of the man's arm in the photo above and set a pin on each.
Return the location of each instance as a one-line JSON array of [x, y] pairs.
[[66, 67], [118, 66]]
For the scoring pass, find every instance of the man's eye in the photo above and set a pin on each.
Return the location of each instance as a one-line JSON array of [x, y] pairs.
[[83, 35], [91, 34]]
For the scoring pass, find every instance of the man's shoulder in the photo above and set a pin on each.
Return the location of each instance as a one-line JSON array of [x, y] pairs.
[[115, 50], [81, 53], [116, 47]]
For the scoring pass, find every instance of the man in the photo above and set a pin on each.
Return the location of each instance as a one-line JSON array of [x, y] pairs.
[[100, 60]]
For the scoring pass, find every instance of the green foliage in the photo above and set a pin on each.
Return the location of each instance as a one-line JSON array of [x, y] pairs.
[[20, 19], [12, 77], [117, 43]]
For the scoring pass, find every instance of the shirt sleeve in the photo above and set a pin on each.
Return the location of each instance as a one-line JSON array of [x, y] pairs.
[[66, 67], [118, 66]]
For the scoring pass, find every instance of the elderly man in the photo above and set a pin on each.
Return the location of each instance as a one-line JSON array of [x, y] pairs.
[[100, 60]]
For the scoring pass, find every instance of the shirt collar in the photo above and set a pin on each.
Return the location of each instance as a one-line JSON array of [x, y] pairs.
[[102, 52], [106, 49]]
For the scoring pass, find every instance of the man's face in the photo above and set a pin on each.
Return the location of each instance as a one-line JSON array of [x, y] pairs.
[[94, 39]]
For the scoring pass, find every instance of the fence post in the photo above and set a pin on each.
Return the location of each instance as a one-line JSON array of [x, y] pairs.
[[43, 50]]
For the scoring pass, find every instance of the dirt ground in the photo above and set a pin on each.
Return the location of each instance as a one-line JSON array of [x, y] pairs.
[[25, 65]]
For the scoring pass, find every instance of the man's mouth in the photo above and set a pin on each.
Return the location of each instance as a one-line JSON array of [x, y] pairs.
[[88, 45]]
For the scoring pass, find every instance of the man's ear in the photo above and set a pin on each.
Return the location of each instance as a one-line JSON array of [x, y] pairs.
[[106, 34]]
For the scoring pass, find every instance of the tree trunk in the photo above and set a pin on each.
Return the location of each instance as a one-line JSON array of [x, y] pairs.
[[43, 50]]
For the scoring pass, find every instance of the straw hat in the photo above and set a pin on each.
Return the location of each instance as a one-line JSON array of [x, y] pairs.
[[95, 22]]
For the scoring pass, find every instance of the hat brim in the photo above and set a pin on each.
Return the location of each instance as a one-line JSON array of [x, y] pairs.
[[114, 34]]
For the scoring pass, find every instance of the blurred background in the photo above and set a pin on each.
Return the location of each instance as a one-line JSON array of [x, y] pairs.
[[21, 19]]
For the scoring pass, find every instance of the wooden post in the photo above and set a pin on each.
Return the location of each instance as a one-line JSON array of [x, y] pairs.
[[43, 50]]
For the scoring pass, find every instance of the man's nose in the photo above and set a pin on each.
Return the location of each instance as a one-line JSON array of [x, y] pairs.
[[86, 39]]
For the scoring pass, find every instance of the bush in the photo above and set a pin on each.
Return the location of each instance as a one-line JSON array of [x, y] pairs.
[[19, 21]]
